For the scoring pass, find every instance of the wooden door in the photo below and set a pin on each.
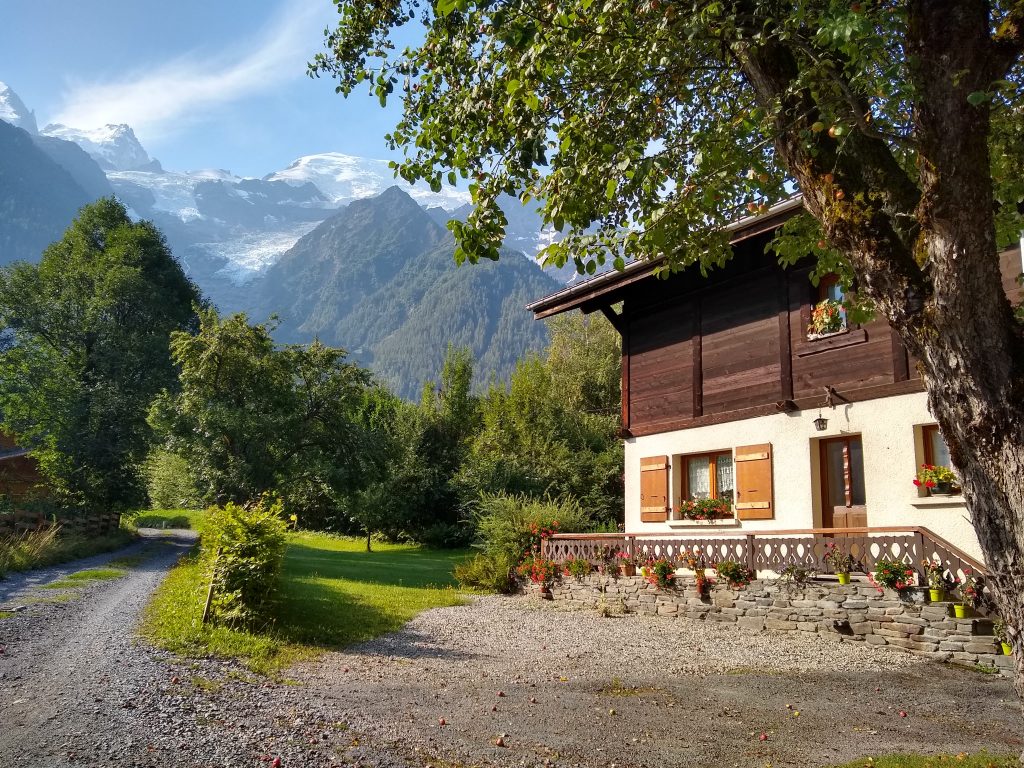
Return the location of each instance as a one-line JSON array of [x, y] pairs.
[[842, 481]]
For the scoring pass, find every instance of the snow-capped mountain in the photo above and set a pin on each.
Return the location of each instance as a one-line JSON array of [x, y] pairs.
[[344, 178], [114, 147], [14, 111]]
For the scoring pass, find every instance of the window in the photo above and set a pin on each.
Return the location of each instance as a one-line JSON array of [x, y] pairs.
[[828, 316], [935, 450], [708, 476]]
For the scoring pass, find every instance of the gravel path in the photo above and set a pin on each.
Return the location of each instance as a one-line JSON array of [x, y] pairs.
[[500, 681]]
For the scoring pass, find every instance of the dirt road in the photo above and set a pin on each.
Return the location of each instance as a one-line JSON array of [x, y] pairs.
[[501, 681]]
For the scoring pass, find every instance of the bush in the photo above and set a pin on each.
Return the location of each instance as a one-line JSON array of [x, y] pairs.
[[490, 573], [577, 567], [243, 548], [446, 535], [736, 574], [512, 526]]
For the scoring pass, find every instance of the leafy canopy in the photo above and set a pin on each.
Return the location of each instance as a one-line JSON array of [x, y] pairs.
[[84, 348], [252, 418], [644, 128]]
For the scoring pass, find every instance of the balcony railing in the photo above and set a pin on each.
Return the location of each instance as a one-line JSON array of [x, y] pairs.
[[774, 550]]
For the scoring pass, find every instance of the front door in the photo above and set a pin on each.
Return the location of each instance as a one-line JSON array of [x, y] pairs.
[[842, 478]]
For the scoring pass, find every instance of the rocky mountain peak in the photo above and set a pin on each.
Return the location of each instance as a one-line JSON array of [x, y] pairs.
[[14, 111]]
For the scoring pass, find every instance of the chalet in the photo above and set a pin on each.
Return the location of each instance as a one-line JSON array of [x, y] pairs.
[[19, 473], [733, 388]]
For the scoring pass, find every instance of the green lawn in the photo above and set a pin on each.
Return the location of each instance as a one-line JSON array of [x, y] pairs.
[[332, 593], [963, 760], [169, 518]]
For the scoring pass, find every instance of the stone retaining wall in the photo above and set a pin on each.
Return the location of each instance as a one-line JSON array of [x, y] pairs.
[[856, 613]]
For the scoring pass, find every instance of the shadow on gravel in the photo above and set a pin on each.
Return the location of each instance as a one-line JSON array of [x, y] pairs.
[[409, 644]]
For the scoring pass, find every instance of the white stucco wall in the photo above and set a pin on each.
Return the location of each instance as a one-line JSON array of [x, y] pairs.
[[892, 452]]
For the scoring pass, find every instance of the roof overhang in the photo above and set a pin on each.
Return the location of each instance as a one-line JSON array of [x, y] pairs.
[[591, 294]]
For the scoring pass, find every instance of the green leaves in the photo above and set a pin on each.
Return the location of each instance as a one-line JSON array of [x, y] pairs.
[[253, 418], [90, 326]]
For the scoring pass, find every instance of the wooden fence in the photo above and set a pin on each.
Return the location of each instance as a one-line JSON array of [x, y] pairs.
[[774, 550], [94, 524]]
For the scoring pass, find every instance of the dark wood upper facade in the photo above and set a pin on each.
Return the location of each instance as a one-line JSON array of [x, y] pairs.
[[19, 473], [733, 345]]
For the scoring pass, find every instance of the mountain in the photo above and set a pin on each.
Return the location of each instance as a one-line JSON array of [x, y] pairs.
[[77, 162], [344, 178], [13, 110], [114, 147], [38, 198], [379, 278]]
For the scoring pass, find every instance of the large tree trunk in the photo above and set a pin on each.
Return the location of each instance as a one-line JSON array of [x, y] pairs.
[[924, 251]]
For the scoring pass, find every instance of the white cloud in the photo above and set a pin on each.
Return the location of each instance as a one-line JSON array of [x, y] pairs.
[[158, 100]]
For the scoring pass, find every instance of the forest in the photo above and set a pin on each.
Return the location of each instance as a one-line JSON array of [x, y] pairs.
[[130, 390]]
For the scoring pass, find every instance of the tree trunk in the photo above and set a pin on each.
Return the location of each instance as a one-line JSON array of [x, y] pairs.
[[368, 534], [924, 251]]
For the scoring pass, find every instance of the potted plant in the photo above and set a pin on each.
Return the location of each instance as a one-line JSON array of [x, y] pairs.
[[827, 318], [696, 563], [892, 574], [627, 565], [540, 571], [968, 590], [736, 574], [660, 571], [937, 583], [839, 561], [608, 560], [936, 479], [999, 630]]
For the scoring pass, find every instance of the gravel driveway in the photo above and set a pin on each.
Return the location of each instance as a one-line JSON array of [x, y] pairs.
[[501, 681]]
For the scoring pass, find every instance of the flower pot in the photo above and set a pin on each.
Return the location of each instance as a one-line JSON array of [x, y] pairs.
[[1007, 649], [627, 569], [844, 578], [942, 489], [937, 595], [961, 611]]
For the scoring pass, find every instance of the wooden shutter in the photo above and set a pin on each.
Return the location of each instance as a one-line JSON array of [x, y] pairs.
[[754, 482], [654, 489]]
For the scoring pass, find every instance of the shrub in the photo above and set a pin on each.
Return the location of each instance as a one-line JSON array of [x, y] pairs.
[[243, 548], [660, 572], [736, 574], [446, 535], [512, 526], [794, 573], [491, 573], [577, 567]]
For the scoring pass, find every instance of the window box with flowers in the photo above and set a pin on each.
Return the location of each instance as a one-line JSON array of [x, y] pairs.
[[828, 318], [936, 479], [707, 490]]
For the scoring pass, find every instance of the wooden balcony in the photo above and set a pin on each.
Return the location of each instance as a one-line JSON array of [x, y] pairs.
[[774, 550]]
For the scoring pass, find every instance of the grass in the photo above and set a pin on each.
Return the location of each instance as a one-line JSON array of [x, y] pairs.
[[52, 546], [81, 578], [962, 760], [191, 519], [332, 593]]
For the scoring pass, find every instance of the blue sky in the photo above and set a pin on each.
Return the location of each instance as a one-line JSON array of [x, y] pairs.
[[204, 83]]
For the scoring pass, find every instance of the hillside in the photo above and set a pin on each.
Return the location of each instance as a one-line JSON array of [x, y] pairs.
[[379, 279], [38, 198]]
